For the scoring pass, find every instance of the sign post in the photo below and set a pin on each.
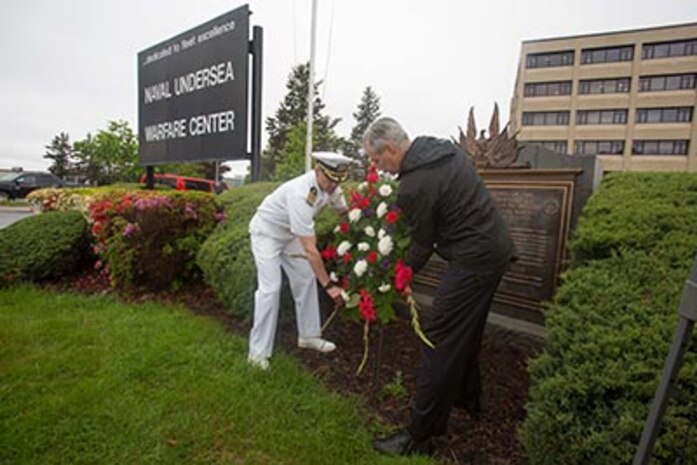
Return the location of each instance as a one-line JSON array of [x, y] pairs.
[[681, 339]]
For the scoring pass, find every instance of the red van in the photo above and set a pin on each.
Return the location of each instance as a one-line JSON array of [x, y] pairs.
[[185, 183]]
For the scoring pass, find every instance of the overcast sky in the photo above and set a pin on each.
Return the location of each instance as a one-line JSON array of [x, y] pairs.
[[70, 65]]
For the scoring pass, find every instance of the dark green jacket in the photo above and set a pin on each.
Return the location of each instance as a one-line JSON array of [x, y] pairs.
[[449, 210]]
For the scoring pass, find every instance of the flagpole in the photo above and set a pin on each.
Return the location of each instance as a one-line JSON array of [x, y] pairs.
[[311, 88]]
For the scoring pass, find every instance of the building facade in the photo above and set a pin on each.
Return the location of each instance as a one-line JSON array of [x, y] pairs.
[[628, 97]]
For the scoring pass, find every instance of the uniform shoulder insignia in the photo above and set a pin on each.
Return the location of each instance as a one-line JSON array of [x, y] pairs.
[[311, 196]]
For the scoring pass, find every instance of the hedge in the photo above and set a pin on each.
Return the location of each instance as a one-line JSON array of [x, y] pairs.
[[226, 258], [610, 326], [43, 246]]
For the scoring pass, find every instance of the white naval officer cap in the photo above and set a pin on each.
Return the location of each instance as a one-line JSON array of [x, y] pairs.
[[334, 165]]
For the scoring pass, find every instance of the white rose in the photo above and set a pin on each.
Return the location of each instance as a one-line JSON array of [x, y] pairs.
[[363, 246], [346, 296], [337, 229], [369, 231], [385, 245], [385, 190], [382, 209], [343, 247], [354, 215], [360, 267], [384, 287], [333, 277], [363, 186], [381, 233]]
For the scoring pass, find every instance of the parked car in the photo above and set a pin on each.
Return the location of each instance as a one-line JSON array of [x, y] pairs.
[[17, 184], [184, 183]]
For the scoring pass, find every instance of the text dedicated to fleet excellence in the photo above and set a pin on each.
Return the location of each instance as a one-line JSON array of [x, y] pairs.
[[198, 125]]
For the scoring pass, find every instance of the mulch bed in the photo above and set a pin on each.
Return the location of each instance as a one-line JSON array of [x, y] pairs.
[[389, 378]]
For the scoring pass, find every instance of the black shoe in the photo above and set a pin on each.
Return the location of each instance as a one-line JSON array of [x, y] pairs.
[[402, 444]]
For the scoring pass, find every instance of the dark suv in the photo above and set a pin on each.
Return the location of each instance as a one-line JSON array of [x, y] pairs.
[[17, 184]]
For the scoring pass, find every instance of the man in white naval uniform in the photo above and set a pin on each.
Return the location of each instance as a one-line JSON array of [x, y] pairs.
[[283, 236]]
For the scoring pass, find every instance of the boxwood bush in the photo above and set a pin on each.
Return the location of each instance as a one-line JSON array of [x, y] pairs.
[[226, 258], [43, 246], [610, 327]]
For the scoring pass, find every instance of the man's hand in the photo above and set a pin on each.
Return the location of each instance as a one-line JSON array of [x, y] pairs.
[[335, 293]]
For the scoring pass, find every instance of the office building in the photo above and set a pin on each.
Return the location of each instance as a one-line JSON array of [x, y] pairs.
[[627, 96]]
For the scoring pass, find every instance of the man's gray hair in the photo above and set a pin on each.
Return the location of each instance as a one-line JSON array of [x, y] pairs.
[[384, 130]]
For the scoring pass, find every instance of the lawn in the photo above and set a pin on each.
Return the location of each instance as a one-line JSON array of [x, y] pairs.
[[91, 380]]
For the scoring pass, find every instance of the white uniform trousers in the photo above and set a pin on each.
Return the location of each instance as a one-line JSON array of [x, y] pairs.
[[270, 255]]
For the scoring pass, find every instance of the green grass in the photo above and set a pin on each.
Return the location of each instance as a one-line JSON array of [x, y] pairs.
[[14, 203], [87, 380]]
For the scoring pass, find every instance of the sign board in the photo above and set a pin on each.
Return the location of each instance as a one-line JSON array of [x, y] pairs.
[[192, 93]]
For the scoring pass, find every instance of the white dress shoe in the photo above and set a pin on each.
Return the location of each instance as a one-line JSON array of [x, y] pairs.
[[259, 362], [316, 343]]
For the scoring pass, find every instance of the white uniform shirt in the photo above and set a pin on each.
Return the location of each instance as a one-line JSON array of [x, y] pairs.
[[289, 210]]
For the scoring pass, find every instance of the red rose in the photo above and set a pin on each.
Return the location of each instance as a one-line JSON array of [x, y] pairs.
[[391, 217], [366, 306], [344, 228], [372, 178], [328, 253], [402, 275], [372, 256], [347, 258]]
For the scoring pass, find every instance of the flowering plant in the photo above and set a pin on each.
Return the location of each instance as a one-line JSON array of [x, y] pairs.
[[151, 239], [367, 257]]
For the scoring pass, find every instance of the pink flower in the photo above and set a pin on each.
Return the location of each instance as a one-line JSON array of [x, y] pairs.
[[130, 229]]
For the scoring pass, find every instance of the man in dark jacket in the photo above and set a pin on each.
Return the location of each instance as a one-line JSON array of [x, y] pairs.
[[449, 211]]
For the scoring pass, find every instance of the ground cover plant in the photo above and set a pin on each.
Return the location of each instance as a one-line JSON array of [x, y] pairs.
[[91, 380]]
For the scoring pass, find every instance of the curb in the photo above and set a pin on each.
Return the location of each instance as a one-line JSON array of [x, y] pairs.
[[22, 209]]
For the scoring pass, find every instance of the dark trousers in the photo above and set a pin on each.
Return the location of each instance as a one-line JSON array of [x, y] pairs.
[[449, 373]]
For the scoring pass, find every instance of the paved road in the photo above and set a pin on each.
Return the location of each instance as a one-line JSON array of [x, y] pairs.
[[10, 215]]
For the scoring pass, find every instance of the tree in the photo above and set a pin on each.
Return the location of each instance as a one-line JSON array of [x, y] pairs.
[[367, 112], [292, 155], [290, 115], [110, 156], [61, 152], [87, 167]]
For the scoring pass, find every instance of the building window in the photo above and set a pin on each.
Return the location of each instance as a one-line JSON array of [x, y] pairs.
[[559, 146], [600, 147], [604, 86], [584, 117], [664, 115], [545, 118], [667, 82], [607, 55], [660, 147], [548, 60], [547, 89], [679, 48]]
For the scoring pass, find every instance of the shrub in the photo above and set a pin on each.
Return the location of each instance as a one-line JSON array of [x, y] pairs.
[[610, 326], [151, 238], [43, 246], [226, 257]]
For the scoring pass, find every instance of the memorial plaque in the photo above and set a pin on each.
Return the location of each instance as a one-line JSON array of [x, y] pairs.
[[537, 205]]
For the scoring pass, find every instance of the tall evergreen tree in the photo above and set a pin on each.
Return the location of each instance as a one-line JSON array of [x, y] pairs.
[[60, 152], [291, 113], [368, 111]]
